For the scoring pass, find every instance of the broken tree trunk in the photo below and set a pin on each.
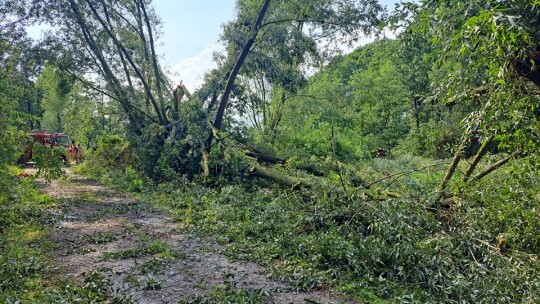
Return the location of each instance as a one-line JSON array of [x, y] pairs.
[[282, 179], [495, 166], [450, 172], [253, 153], [477, 157], [179, 93]]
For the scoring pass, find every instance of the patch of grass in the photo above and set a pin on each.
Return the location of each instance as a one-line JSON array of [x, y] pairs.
[[122, 299], [150, 282], [99, 238], [225, 294], [26, 272], [96, 286], [160, 248], [123, 254], [154, 265]]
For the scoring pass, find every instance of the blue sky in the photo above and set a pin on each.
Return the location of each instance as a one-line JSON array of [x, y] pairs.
[[190, 33], [189, 26]]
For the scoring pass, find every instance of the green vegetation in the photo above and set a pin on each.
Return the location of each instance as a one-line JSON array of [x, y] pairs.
[[377, 249], [27, 274], [227, 295], [406, 171], [159, 248]]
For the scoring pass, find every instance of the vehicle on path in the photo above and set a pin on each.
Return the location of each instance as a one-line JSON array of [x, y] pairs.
[[49, 140]]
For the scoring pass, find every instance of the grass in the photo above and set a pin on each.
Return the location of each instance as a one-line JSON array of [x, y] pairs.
[[154, 265], [158, 248], [226, 294], [382, 249], [99, 238], [27, 274]]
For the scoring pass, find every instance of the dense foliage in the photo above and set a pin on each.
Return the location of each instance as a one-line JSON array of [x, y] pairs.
[[403, 171]]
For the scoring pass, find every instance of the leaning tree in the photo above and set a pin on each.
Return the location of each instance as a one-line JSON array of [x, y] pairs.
[[110, 47]]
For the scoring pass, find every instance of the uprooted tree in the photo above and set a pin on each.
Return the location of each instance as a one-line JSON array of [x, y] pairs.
[[109, 46]]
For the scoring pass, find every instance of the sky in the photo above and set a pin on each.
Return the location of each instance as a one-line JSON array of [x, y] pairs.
[[190, 35]]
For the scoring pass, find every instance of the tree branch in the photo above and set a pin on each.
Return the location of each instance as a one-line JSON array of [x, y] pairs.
[[399, 174], [451, 169], [477, 157], [101, 91], [154, 59], [122, 59], [161, 120], [236, 69], [495, 166], [109, 75]]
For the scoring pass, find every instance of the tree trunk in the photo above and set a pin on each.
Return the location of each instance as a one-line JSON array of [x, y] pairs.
[[236, 69], [285, 180], [162, 120], [494, 167], [107, 71], [481, 152], [157, 73], [450, 172], [122, 59]]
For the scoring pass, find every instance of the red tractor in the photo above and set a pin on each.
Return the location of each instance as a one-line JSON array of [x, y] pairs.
[[41, 137]]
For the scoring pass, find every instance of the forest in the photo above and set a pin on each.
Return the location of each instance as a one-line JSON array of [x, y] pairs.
[[313, 167]]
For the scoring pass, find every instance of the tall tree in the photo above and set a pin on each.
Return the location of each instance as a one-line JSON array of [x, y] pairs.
[[496, 44], [109, 46], [281, 37]]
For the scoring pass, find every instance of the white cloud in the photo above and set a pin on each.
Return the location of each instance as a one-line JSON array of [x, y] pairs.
[[191, 70]]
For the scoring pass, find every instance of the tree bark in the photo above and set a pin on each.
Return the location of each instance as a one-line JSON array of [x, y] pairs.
[[285, 180], [122, 59], [481, 152], [162, 120], [236, 69], [157, 73], [107, 71], [451, 169], [259, 156], [494, 167]]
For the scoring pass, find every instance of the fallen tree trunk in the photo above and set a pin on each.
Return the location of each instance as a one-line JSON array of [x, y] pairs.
[[282, 179], [264, 158], [251, 152]]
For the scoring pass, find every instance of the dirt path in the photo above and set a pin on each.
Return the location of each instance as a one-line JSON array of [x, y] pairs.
[[136, 254]]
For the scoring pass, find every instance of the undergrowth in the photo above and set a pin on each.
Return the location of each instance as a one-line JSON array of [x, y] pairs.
[[26, 273], [481, 248]]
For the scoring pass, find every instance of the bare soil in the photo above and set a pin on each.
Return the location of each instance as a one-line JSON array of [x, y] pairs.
[[140, 253]]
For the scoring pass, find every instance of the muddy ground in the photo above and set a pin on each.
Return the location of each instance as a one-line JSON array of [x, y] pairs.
[[136, 254]]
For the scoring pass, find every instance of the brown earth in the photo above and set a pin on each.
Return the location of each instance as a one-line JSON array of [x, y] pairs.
[[141, 256]]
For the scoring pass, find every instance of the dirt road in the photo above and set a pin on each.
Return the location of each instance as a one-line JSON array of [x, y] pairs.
[[135, 253]]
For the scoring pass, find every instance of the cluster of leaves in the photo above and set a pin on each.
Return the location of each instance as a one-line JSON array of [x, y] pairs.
[[485, 53], [355, 105], [395, 250]]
